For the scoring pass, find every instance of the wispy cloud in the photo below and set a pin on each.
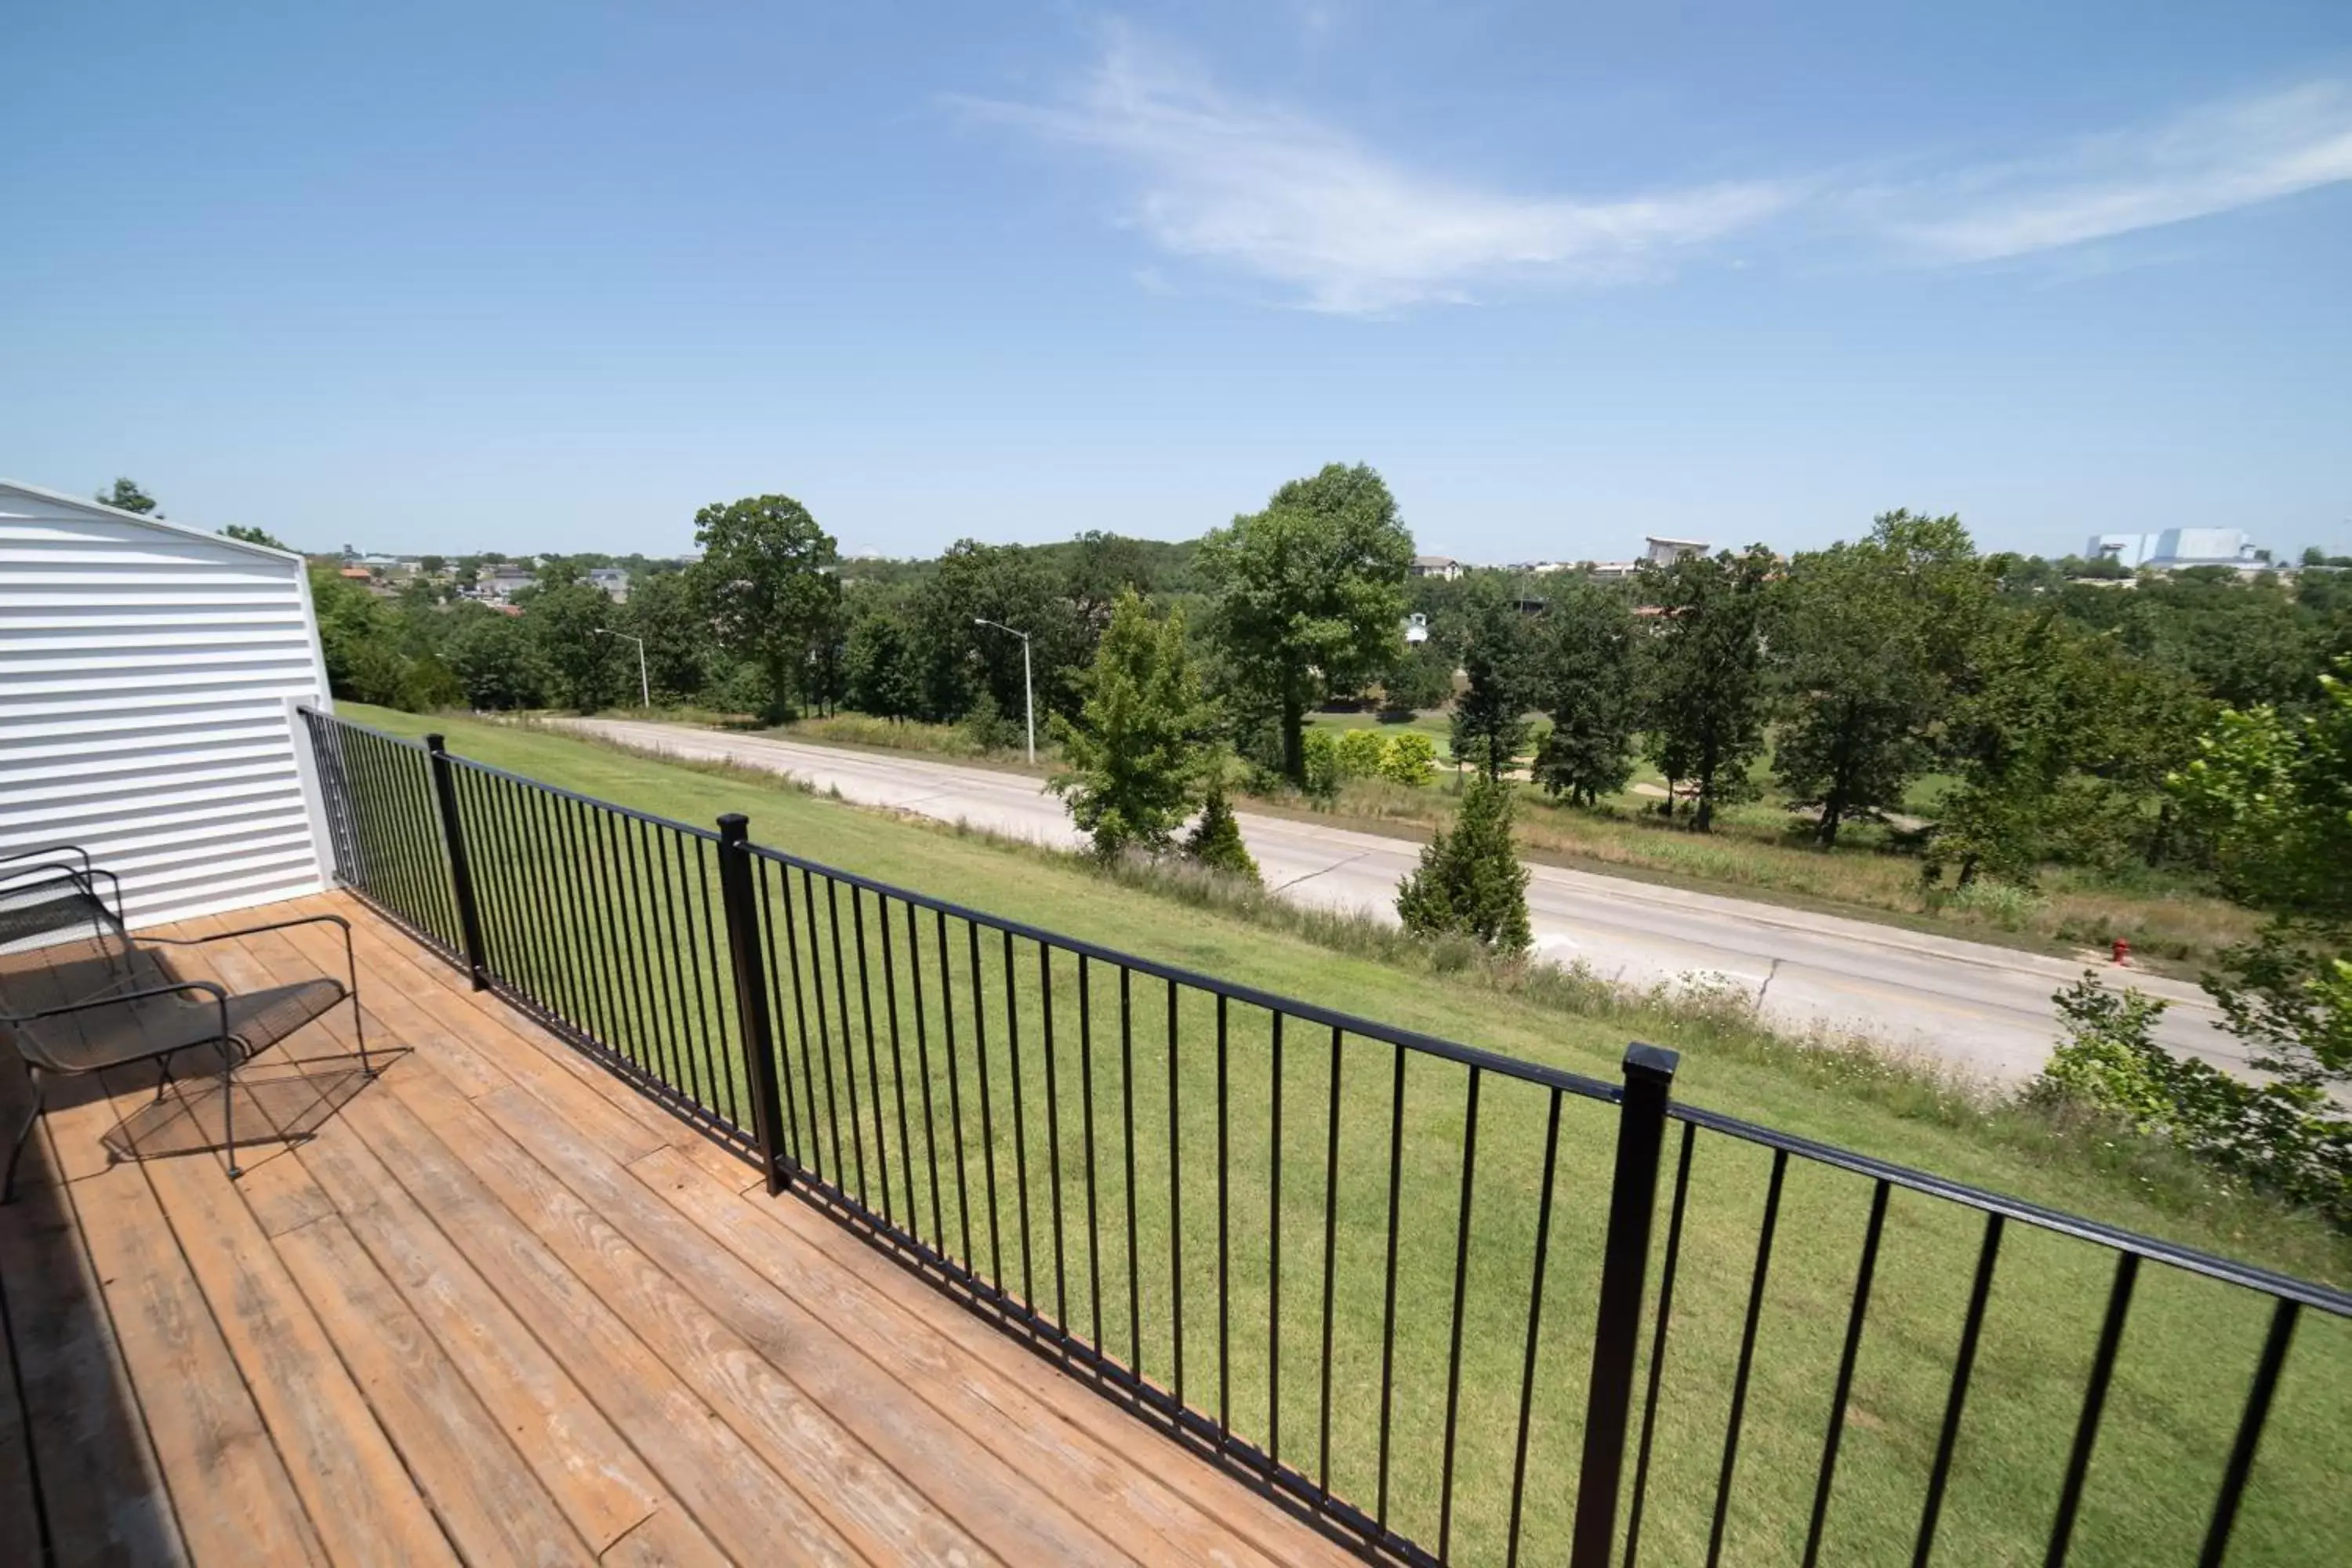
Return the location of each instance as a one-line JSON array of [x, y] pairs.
[[1286, 197], [2216, 158], [1281, 196]]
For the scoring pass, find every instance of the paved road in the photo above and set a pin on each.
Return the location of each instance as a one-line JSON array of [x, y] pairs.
[[1984, 1010]]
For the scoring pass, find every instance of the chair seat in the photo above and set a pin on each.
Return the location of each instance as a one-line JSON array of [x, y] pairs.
[[108, 1037]]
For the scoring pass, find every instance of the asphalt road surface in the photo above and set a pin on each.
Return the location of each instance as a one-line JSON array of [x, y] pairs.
[[1984, 1010]]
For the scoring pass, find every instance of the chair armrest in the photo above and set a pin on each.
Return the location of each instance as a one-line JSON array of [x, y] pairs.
[[111, 999], [74, 849]]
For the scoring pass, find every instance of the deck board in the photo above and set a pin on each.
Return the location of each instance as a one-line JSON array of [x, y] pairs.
[[495, 1305]]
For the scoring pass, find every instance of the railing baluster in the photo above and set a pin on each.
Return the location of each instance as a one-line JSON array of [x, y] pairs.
[[2094, 1400], [840, 1177], [1020, 1121], [1747, 1356], [898, 1067], [814, 1156], [1534, 1331], [1461, 1304], [1127, 1105], [955, 1099], [873, 1060], [1175, 1201], [987, 1117], [2250, 1434], [848, 1041], [1086, 1108], [1854, 1320], [1053, 1126], [1388, 1308], [1330, 1273], [1273, 1258], [923, 1065], [1224, 1252], [1963, 1366]]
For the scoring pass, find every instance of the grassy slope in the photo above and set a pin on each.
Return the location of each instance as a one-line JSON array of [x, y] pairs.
[[2189, 1351]]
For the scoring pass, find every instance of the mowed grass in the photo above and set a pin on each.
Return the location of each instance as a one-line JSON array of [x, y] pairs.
[[1101, 1070], [1760, 849]]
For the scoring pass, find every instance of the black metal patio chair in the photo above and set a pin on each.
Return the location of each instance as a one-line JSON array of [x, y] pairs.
[[44, 892], [121, 1023]]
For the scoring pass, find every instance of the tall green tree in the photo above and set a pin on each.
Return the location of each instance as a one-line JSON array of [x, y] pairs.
[[1866, 634], [766, 576], [1707, 686], [1490, 637], [493, 655], [245, 535], [884, 678], [582, 665], [1585, 679], [1308, 595], [665, 610], [1140, 745]]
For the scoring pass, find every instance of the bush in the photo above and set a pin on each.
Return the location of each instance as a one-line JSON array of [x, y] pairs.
[[1215, 841], [1356, 753], [1409, 758], [2288, 1137], [1321, 750], [1470, 882]]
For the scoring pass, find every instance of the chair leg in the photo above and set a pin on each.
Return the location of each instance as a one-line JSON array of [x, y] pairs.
[[17, 1149], [228, 1105], [359, 1033], [162, 1077]]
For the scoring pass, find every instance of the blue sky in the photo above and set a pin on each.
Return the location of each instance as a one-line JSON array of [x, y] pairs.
[[550, 276]]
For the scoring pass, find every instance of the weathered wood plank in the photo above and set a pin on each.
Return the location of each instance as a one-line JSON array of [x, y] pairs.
[[747, 1508], [104, 1497], [605, 1487], [1013, 1512], [489, 1502], [667, 1539], [358, 1495], [994, 1398], [229, 1488], [869, 1503]]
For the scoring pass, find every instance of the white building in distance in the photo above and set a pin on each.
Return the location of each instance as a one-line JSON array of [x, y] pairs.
[[2175, 547]]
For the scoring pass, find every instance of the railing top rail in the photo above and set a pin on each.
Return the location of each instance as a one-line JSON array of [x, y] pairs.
[[338, 719], [1290, 1007], [2303, 1291], [482, 767], [651, 819]]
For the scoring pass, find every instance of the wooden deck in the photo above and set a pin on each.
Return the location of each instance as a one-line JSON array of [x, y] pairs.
[[493, 1307]]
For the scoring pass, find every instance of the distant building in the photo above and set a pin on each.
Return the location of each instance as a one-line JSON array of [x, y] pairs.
[[505, 582], [2176, 547], [1440, 566], [1416, 629], [612, 580], [1662, 552]]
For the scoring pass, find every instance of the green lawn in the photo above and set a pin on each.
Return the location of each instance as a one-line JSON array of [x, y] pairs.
[[2189, 1351]]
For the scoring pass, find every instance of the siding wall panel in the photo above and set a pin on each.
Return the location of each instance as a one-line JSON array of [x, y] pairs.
[[144, 673]]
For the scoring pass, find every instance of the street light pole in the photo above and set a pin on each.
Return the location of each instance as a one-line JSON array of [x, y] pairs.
[[1028, 690], [644, 688]]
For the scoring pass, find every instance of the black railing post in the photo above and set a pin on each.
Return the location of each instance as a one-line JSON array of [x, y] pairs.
[[461, 874], [744, 954], [1624, 1262]]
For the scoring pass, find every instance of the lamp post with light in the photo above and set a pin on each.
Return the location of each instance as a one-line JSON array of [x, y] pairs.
[[1028, 692]]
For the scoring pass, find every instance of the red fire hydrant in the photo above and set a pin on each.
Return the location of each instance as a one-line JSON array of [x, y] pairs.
[[2123, 951]]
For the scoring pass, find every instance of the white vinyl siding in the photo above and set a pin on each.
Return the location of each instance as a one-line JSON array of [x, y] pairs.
[[146, 671]]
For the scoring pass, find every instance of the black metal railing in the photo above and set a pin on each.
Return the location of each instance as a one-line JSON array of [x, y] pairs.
[[1410, 1287]]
